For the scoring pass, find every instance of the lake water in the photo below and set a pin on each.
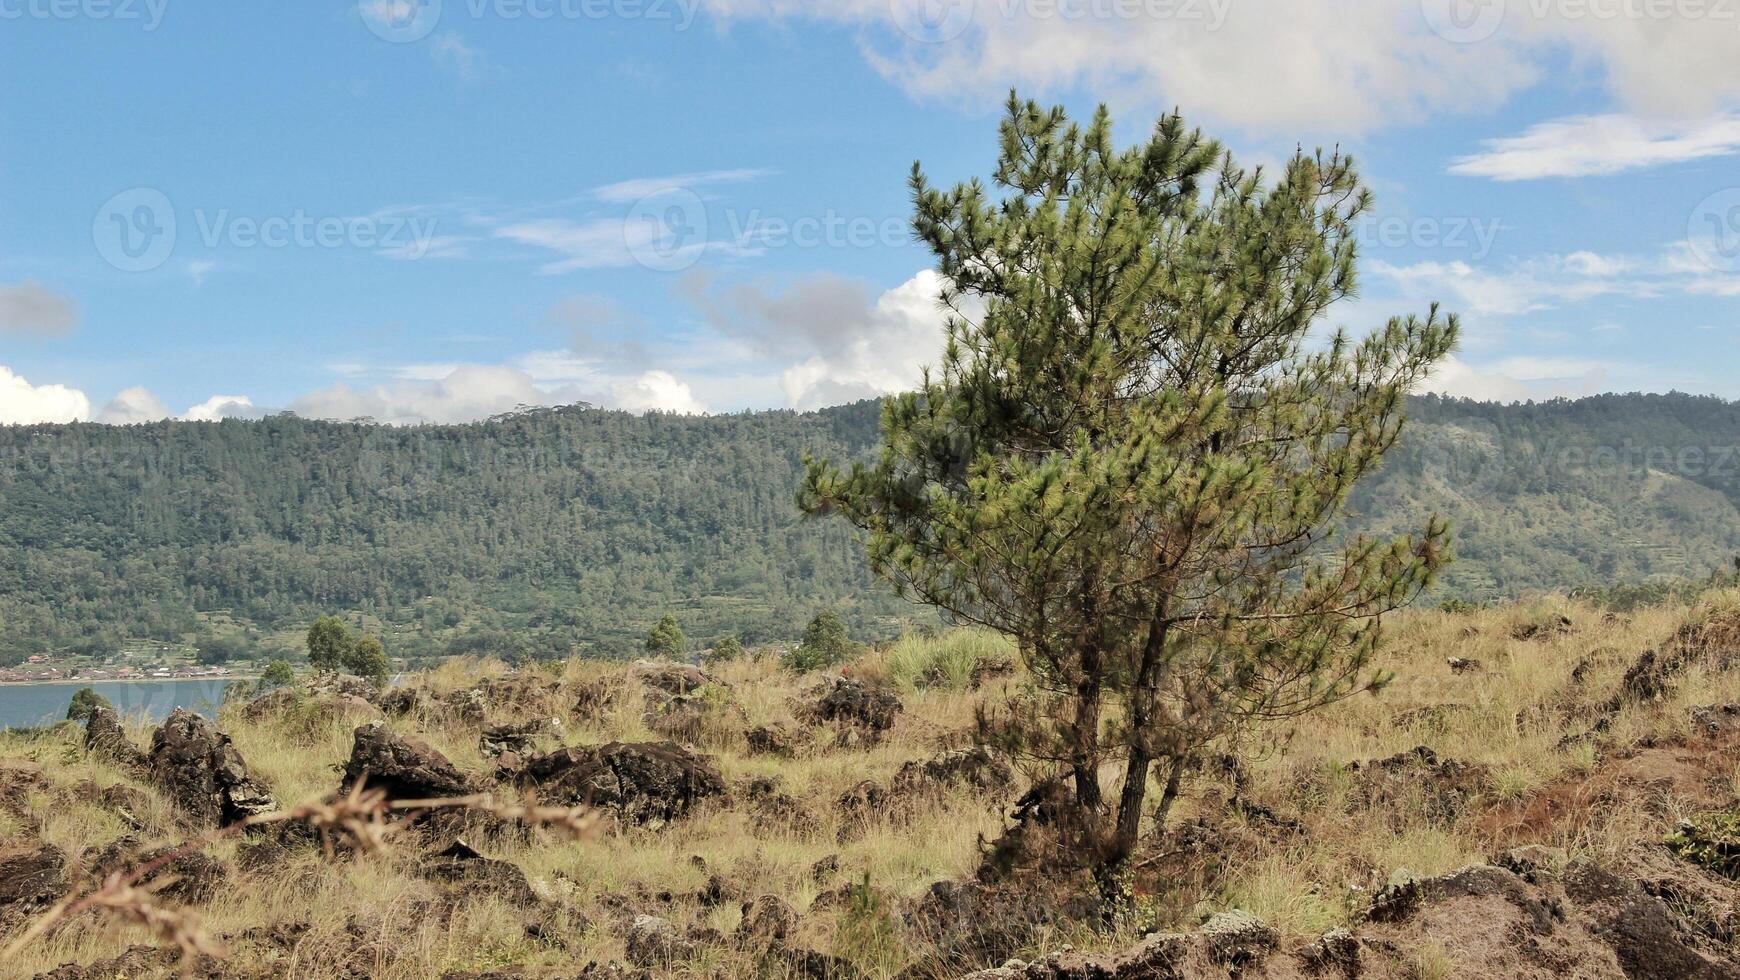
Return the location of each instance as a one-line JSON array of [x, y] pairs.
[[35, 704]]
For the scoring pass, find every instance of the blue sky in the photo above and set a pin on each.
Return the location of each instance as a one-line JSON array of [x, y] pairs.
[[439, 211]]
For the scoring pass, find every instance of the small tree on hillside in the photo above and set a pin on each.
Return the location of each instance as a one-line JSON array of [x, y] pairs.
[[277, 674], [825, 644], [1134, 456], [666, 639], [367, 658], [329, 643], [727, 648]]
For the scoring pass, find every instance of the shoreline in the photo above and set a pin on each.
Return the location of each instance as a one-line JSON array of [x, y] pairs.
[[87, 682]]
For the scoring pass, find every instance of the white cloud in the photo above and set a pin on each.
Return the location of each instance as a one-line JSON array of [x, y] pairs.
[[22, 403], [658, 391], [1518, 379], [837, 341], [1279, 65], [133, 406], [1583, 146], [31, 309], [1549, 281], [223, 407], [469, 392], [465, 393], [1284, 65]]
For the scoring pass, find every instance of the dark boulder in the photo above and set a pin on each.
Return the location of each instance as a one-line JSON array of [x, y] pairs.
[[189, 878], [1444, 787], [400, 701], [1640, 930], [518, 738], [653, 942], [312, 707], [777, 740], [640, 783], [32, 875], [767, 921], [105, 737], [858, 710], [204, 775], [672, 679], [465, 870], [407, 767]]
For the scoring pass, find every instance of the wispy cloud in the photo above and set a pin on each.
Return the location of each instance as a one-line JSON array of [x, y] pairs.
[[1585, 146], [639, 188], [451, 52]]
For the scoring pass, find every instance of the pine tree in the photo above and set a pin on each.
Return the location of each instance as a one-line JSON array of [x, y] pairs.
[[1135, 454]]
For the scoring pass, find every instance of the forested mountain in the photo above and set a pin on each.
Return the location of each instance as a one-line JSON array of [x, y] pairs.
[[575, 529]]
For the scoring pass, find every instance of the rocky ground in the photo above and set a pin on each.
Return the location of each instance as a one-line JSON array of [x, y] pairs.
[[1547, 790]]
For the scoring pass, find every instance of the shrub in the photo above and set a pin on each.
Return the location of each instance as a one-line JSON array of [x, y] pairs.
[[85, 701], [1710, 840], [277, 674], [666, 639], [726, 648]]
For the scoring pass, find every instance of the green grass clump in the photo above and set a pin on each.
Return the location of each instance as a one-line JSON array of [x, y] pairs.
[[945, 661]]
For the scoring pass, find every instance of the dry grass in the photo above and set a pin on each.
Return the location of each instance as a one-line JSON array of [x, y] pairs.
[[1519, 717]]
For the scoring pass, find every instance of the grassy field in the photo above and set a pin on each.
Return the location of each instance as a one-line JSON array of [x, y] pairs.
[[1536, 740]]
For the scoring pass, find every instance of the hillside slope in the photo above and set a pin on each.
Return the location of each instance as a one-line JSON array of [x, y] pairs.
[[574, 529]]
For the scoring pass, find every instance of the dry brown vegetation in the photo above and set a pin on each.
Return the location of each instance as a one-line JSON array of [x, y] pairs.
[[1545, 731]]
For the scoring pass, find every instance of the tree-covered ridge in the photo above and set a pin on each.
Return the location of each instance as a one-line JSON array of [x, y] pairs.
[[577, 529], [1593, 491], [569, 529]]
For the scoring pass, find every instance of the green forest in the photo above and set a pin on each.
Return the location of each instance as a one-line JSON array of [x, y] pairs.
[[574, 530]]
